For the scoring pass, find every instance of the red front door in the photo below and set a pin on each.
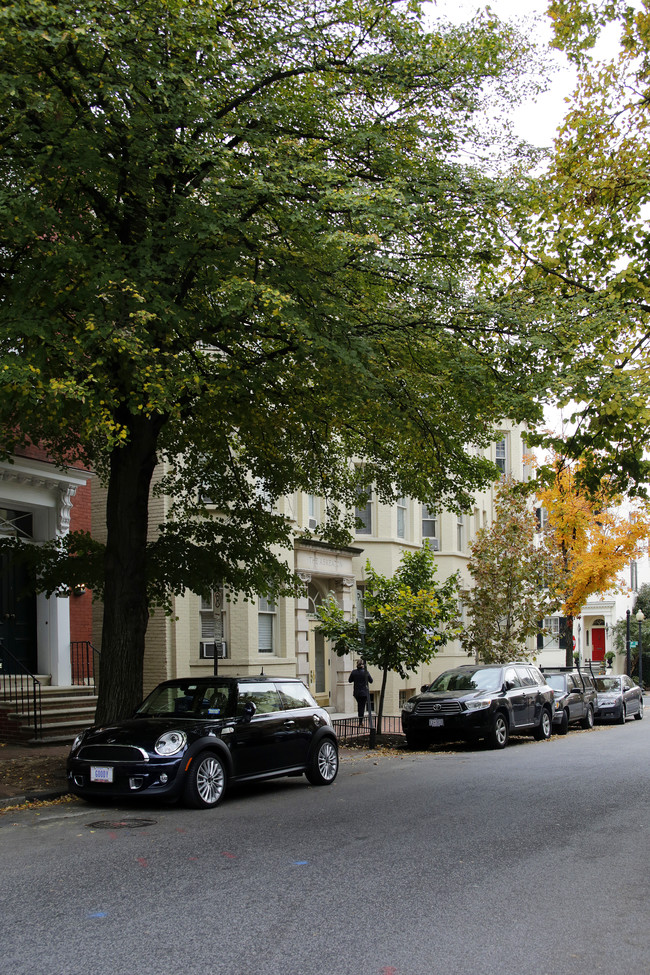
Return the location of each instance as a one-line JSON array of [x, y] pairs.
[[598, 643]]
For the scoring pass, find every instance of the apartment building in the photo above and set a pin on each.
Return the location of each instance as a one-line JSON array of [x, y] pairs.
[[219, 631]]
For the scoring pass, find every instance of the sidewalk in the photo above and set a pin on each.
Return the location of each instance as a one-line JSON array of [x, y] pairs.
[[28, 774]]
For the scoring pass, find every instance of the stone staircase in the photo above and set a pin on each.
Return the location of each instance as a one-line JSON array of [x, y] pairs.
[[65, 711]]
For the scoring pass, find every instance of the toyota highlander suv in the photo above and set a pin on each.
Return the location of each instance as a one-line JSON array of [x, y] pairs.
[[490, 701]]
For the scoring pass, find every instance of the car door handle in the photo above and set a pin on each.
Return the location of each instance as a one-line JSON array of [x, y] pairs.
[[289, 724]]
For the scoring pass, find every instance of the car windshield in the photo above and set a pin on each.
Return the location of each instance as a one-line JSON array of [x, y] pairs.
[[488, 679], [556, 681], [608, 683], [189, 699]]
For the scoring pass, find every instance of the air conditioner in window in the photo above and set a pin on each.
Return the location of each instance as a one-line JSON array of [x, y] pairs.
[[435, 544], [313, 523], [206, 650], [222, 650]]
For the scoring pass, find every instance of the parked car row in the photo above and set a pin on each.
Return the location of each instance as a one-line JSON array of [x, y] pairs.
[[191, 739], [491, 702]]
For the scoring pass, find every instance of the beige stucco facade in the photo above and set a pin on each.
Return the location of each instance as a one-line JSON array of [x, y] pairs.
[[250, 636]]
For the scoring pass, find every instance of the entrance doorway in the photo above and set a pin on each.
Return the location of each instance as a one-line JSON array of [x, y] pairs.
[[319, 665], [597, 643], [17, 616]]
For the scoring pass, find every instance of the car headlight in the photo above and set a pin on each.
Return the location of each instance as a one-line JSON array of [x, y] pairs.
[[479, 704], [409, 706], [76, 744], [171, 743]]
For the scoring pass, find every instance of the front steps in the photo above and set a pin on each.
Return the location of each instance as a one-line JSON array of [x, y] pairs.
[[65, 711]]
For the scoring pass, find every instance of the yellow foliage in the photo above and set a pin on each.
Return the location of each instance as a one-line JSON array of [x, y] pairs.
[[588, 536]]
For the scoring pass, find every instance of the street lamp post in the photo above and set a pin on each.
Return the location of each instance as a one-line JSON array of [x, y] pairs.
[[628, 665], [640, 618]]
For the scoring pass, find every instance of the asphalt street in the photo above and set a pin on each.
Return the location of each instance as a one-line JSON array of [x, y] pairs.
[[533, 859]]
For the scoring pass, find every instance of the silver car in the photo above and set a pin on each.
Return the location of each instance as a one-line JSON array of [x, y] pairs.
[[618, 698]]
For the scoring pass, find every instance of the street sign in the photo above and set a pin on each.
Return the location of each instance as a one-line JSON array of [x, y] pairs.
[[634, 643]]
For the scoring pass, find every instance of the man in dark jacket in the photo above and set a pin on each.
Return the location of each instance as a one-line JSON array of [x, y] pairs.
[[361, 678]]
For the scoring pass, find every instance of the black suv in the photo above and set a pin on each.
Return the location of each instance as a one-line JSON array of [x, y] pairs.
[[191, 738], [488, 701], [576, 699]]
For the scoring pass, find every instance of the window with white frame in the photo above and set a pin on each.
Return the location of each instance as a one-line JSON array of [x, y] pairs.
[[401, 517], [430, 526], [212, 620], [502, 455], [460, 533], [363, 512], [266, 616], [404, 696], [552, 635], [312, 511]]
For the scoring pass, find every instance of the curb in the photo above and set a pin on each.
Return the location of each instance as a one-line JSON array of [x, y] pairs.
[[33, 797]]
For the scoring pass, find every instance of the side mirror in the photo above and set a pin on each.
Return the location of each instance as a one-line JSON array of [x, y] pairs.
[[425, 687], [248, 711], [507, 685]]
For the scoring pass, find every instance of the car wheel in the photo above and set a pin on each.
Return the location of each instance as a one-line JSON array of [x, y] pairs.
[[206, 781], [563, 726], [543, 730], [498, 737], [588, 720], [623, 714], [324, 763], [639, 715]]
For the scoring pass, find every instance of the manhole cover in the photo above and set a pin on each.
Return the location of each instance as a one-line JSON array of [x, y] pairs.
[[121, 823]]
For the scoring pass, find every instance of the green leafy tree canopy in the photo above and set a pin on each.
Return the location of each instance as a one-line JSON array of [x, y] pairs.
[[241, 244], [513, 584]]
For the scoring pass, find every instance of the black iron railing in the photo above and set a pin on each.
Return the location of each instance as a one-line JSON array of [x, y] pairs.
[[20, 690], [84, 663], [350, 728]]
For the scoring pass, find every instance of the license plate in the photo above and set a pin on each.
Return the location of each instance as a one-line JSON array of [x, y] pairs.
[[101, 773], [436, 722]]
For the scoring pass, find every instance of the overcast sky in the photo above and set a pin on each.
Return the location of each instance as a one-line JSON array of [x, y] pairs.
[[536, 121]]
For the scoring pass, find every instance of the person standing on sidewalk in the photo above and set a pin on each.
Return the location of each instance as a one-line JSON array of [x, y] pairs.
[[361, 679]]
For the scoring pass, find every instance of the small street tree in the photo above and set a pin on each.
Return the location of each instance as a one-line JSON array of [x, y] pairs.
[[588, 539], [409, 617], [513, 581]]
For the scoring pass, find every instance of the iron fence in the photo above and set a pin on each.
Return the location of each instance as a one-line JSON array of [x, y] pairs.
[[350, 727], [84, 663], [20, 691]]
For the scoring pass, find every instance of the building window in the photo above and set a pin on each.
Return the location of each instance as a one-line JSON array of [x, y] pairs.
[[430, 527], [634, 579], [312, 511], [401, 517], [266, 614], [363, 512], [460, 533], [212, 618], [404, 696], [502, 455]]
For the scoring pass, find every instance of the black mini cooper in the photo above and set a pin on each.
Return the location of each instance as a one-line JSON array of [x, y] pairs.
[[191, 738], [489, 701]]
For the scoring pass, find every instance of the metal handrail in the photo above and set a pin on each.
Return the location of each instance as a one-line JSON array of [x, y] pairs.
[[84, 663], [21, 689]]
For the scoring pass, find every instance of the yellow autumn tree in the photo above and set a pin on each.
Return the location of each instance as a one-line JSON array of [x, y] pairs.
[[588, 536]]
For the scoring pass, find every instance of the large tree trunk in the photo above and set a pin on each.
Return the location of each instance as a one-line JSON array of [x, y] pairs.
[[126, 602]]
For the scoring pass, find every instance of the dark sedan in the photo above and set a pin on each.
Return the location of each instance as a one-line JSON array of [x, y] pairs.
[[192, 738], [618, 698]]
